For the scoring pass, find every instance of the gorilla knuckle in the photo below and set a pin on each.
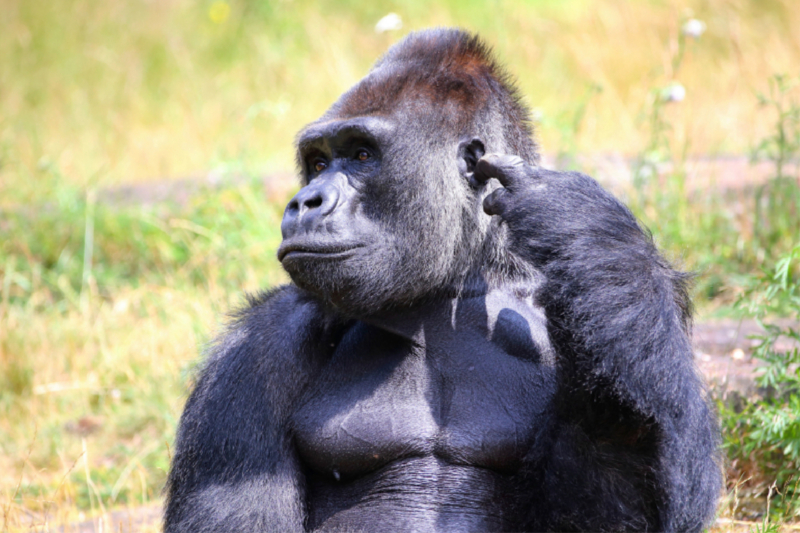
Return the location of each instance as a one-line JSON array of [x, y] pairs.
[[496, 202]]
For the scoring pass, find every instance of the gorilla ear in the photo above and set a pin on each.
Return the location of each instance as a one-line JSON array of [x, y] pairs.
[[469, 152]]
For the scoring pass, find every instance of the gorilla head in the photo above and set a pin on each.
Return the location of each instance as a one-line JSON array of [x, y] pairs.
[[389, 212]]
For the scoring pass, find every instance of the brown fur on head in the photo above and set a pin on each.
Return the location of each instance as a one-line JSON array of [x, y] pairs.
[[454, 73]]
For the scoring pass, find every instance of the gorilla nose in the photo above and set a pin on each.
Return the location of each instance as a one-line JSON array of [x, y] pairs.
[[309, 207]]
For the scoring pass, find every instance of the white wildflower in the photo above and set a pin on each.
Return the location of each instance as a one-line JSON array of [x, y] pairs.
[[673, 93], [693, 28], [392, 21]]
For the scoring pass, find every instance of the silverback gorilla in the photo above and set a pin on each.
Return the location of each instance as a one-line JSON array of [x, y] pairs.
[[470, 342]]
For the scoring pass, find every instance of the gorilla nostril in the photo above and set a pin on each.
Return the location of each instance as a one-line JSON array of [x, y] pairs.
[[313, 202]]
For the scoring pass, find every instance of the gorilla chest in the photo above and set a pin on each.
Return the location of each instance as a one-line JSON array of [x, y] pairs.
[[471, 395]]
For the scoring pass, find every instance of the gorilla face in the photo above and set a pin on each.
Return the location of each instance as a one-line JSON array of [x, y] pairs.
[[380, 220]]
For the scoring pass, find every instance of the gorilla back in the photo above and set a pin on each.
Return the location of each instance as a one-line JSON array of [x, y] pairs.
[[470, 342]]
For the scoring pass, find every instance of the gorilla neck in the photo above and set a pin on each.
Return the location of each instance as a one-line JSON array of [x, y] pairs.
[[476, 306], [411, 323]]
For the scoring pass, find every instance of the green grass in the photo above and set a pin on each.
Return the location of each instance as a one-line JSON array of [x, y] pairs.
[[111, 347], [105, 308]]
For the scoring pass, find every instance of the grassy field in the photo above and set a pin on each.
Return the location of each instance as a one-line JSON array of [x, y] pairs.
[[105, 307], [101, 93]]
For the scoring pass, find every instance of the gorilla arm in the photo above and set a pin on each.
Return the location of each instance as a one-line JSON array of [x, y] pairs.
[[235, 468], [635, 424]]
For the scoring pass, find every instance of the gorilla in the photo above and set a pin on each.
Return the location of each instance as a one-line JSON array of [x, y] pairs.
[[470, 342]]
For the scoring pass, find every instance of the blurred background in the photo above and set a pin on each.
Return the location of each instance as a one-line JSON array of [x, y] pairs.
[[146, 157]]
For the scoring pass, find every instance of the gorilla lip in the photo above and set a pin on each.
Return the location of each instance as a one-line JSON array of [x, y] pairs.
[[290, 249]]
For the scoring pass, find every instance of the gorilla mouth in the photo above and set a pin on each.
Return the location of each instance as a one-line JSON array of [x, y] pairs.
[[294, 250]]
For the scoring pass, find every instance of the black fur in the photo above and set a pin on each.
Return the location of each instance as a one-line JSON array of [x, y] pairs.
[[471, 342]]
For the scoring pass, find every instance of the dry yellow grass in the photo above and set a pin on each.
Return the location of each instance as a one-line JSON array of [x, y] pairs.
[[120, 91]]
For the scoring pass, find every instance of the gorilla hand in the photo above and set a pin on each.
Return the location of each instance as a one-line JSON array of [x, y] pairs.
[[548, 213], [513, 174]]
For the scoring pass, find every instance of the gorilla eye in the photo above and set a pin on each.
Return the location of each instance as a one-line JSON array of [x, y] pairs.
[[319, 165], [362, 155]]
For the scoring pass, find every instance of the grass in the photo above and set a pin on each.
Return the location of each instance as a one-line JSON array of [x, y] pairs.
[[95, 363], [105, 308], [111, 92]]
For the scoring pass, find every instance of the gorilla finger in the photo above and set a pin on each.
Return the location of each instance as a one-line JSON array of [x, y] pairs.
[[496, 203], [510, 170]]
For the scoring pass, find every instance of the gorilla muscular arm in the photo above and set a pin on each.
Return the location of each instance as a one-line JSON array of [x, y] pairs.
[[635, 427], [235, 468]]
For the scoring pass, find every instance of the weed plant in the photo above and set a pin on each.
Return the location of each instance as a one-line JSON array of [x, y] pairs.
[[777, 202], [723, 235], [762, 433]]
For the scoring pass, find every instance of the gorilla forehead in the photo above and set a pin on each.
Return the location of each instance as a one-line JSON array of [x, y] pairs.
[[448, 68]]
